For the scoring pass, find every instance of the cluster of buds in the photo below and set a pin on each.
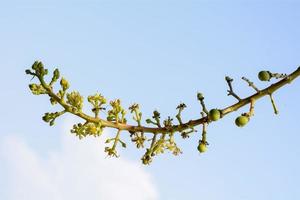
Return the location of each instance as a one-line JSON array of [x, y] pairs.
[[137, 137], [166, 140], [111, 151], [97, 101], [50, 117], [38, 68], [64, 84], [37, 89], [159, 147], [87, 129], [114, 113], [75, 100]]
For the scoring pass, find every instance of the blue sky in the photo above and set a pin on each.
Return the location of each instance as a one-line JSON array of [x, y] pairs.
[[157, 53]]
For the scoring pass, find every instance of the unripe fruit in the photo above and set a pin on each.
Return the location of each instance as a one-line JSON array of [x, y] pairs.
[[241, 121], [264, 75], [202, 147], [214, 114]]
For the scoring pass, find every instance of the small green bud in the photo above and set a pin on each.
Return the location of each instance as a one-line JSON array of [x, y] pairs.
[[56, 73], [202, 147], [123, 144], [39, 68], [241, 121], [55, 76], [52, 122], [53, 101], [108, 140], [35, 65], [45, 72], [64, 84], [27, 71], [147, 159], [33, 86], [228, 79], [40, 65], [111, 151], [214, 114], [200, 96], [37, 89], [156, 114], [110, 118], [47, 117], [264, 75]]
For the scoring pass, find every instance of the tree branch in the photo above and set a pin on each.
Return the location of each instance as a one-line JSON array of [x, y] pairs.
[[176, 128], [93, 125]]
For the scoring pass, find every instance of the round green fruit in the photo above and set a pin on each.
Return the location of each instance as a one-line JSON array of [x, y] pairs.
[[241, 121], [214, 114], [202, 147], [264, 75]]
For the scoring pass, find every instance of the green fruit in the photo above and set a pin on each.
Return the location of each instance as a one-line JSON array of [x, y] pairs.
[[202, 147], [264, 75], [241, 121], [214, 114]]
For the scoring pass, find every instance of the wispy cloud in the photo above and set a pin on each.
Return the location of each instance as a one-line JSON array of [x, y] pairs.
[[77, 171]]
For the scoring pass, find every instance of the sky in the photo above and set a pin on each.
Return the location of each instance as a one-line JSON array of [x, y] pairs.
[[158, 54]]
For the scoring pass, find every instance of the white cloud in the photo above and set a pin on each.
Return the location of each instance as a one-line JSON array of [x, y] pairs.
[[77, 171]]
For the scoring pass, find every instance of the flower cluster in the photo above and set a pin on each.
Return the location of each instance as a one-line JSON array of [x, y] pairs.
[[75, 100], [37, 89], [50, 117], [87, 129], [97, 101], [116, 111]]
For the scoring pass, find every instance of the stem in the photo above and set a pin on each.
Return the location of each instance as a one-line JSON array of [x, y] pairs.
[[138, 119], [251, 84], [117, 138], [251, 111], [230, 91], [273, 104], [204, 133]]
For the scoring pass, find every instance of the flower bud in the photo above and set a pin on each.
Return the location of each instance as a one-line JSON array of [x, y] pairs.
[[200, 96], [64, 84], [35, 65]]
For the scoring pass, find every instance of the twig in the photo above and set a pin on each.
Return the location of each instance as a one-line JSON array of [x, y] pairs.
[[273, 104], [230, 91], [251, 84], [174, 128], [278, 75]]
